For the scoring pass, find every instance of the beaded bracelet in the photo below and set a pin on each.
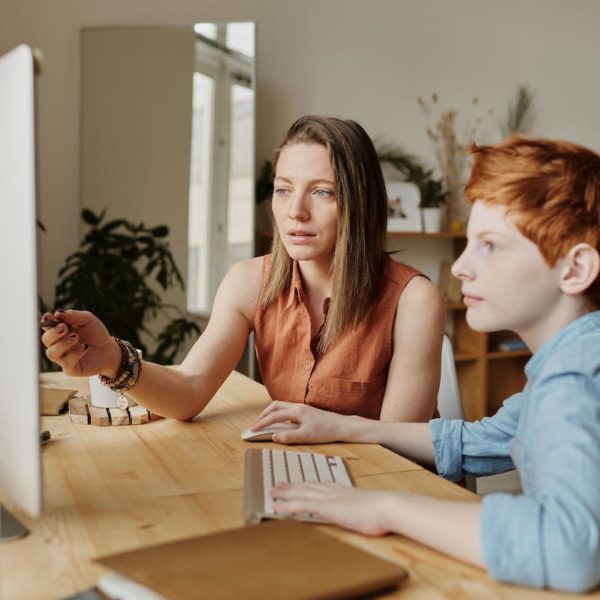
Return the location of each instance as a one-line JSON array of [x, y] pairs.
[[129, 371]]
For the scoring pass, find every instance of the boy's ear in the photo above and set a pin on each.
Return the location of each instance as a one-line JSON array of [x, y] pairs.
[[581, 268]]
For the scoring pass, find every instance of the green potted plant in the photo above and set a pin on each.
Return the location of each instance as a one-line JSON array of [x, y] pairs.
[[110, 276], [432, 192], [433, 202]]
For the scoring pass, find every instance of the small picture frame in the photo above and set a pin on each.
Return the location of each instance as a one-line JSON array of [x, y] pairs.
[[403, 206]]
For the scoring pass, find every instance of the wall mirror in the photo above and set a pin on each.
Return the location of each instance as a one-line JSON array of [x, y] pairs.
[[167, 137]]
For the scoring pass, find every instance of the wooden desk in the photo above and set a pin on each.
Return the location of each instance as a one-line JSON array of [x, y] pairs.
[[111, 489]]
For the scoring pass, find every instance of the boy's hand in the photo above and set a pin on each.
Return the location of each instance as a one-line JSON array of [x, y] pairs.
[[363, 511], [316, 426]]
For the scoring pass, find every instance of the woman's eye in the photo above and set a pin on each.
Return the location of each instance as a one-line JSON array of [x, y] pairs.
[[323, 193], [279, 191]]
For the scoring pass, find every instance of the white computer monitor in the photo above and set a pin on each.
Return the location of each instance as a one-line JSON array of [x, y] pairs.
[[20, 459]]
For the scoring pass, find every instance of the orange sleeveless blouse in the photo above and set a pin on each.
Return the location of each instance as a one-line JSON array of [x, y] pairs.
[[350, 377]]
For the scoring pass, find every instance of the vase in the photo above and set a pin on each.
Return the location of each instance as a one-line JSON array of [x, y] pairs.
[[459, 210], [432, 219]]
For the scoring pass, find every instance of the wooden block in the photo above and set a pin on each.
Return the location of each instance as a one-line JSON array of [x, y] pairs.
[[79, 419], [77, 406], [98, 416], [78, 412], [139, 415], [81, 411], [118, 416]]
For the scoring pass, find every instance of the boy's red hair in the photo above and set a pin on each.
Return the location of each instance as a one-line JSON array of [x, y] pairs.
[[551, 188]]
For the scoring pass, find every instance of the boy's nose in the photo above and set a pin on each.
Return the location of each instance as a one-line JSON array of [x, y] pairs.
[[460, 268]]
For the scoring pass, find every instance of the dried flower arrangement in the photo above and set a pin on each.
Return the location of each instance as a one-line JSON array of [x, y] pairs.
[[451, 149], [519, 112]]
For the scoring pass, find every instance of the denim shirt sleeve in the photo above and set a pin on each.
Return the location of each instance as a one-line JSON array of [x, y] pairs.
[[551, 535], [480, 448]]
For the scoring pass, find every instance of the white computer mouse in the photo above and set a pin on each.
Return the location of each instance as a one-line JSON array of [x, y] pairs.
[[265, 435]]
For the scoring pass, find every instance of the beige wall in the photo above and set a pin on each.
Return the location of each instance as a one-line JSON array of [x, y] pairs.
[[135, 129], [365, 60]]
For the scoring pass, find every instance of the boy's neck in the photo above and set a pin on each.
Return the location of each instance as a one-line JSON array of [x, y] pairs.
[[546, 327]]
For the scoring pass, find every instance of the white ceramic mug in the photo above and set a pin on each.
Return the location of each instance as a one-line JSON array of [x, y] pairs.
[[103, 397]]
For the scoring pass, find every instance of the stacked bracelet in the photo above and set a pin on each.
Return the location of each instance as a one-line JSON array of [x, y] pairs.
[[129, 369]]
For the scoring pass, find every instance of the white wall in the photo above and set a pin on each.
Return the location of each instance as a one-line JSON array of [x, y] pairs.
[[362, 60]]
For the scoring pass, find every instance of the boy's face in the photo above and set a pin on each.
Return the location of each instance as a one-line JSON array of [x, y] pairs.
[[506, 283]]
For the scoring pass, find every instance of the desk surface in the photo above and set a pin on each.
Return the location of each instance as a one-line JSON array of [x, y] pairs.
[[111, 489]]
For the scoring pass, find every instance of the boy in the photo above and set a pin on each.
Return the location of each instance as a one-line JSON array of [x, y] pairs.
[[532, 265]]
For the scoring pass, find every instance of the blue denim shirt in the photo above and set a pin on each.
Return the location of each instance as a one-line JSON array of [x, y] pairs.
[[550, 535]]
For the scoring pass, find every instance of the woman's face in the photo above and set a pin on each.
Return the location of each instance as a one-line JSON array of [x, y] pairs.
[[305, 203]]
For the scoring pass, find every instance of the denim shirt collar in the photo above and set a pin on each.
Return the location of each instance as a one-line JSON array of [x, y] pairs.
[[581, 325]]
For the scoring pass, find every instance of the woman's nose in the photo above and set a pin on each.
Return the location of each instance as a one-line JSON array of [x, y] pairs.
[[298, 210]]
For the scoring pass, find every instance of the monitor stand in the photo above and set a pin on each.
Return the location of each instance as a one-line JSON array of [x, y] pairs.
[[10, 528]]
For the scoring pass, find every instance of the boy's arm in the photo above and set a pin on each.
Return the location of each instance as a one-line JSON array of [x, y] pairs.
[[450, 446], [448, 526], [476, 448], [317, 426], [553, 534]]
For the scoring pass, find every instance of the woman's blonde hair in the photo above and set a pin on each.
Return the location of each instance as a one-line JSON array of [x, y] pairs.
[[362, 217]]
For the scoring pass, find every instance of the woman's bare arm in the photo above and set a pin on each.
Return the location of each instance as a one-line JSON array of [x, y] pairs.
[[414, 374], [180, 392]]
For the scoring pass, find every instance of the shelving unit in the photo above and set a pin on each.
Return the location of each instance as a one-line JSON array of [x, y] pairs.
[[486, 376]]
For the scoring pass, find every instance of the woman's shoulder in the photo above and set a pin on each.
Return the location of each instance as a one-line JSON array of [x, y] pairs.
[[241, 285], [420, 289], [421, 295], [248, 272], [398, 272]]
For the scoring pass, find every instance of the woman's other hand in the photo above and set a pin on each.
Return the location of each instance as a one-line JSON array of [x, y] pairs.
[[80, 344]]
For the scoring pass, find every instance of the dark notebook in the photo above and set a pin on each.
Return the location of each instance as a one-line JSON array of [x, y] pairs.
[[284, 560]]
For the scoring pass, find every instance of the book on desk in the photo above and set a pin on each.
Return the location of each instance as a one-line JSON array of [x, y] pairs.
[[275, 559]]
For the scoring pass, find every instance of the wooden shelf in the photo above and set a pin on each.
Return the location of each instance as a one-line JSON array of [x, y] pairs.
[[455, 306], [465, 356], [499, 354]]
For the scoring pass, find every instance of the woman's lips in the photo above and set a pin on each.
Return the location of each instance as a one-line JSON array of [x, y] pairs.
[[301, 237]]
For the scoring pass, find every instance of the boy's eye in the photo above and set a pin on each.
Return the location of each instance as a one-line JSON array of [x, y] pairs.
[[489, 247]]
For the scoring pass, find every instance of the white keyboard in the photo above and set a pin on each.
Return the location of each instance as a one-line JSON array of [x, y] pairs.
[[266, 468]]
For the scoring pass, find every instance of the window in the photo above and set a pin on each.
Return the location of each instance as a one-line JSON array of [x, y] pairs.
[[221, 207]]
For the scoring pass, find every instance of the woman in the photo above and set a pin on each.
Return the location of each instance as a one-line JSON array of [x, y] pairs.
[[338, 325]]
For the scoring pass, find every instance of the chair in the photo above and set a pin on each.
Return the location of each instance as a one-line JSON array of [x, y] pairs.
[[450, 407], [449, 401]]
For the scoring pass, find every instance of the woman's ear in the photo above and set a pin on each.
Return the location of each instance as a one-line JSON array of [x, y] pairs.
[[581, 268]]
